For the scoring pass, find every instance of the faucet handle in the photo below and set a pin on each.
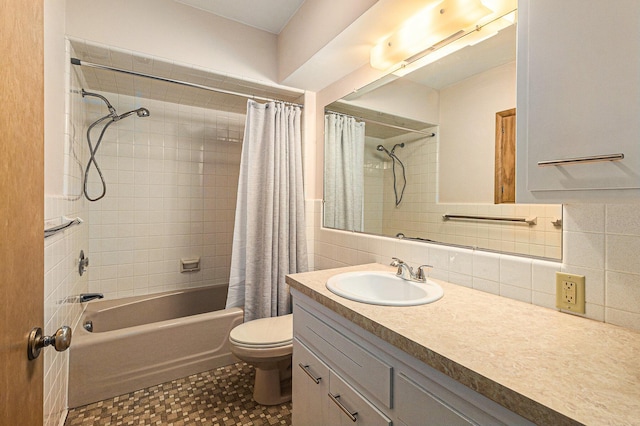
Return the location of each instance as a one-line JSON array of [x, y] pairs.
[[396, 262], [421, 274]]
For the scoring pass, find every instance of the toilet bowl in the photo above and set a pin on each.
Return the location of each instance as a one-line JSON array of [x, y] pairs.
[[266, 344]]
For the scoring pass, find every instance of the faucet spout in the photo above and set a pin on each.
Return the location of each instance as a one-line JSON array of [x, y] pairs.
[[85, 297], [406, 272]]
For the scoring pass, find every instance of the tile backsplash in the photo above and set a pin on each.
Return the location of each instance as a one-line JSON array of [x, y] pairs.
[[600, 241]]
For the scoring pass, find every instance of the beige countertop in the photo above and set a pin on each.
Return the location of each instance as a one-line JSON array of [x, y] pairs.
[[547, 366]]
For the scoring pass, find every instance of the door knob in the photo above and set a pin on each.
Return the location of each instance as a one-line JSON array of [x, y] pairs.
[[37, 340]]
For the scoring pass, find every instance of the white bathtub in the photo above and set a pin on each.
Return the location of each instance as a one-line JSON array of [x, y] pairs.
[[147, 340]]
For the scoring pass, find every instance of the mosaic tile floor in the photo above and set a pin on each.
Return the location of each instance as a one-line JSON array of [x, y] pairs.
[[217, 397]]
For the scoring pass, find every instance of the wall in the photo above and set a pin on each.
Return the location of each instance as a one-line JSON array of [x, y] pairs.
[[203, 39], [599, 241], [171, 194], [375, 168], [467, 133], [62, 281]]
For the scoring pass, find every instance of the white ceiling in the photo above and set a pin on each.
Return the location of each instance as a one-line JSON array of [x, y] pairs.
[[271, 15]]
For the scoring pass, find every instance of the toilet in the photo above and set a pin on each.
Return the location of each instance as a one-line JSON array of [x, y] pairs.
[[266, 344]]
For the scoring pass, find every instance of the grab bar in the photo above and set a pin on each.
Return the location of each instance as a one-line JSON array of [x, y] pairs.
[[529, 220], [48, 232], [579, 160]]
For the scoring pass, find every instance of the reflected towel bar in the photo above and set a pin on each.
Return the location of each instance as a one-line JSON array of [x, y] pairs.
[[528, 220], [48, 232], [579, 160]]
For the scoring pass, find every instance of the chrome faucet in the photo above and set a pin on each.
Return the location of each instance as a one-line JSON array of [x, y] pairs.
[[406, 272], [85, 297]]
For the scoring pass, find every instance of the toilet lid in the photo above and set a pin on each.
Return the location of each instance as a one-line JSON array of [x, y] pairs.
[[264, 332]]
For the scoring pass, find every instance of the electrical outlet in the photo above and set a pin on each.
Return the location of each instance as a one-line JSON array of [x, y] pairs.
[[570, 292]]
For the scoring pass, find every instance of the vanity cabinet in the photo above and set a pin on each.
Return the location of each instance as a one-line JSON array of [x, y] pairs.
[[343, 374], [578, 89]]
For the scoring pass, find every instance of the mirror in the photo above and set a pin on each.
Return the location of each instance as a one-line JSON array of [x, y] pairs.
[[430, 155]]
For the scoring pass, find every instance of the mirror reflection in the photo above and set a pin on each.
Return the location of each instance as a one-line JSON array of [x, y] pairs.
[[430, 155]]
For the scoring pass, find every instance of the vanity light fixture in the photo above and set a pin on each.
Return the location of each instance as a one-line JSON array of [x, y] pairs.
[[437, 28]]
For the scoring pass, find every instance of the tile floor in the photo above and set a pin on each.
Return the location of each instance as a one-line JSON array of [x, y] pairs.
[[216, 397]]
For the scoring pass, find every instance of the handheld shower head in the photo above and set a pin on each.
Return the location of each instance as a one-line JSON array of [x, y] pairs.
[[383, 149], [141, 112]]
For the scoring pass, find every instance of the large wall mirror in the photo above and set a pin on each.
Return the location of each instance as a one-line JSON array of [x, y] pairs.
[[430, 155]]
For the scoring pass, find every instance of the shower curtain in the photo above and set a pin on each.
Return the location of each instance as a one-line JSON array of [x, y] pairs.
[[344, 172], [269, 234]]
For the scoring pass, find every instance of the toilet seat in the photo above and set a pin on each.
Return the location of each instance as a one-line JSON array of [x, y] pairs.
[[264, 333]]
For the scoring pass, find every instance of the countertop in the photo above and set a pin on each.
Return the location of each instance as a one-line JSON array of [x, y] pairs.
[[547, 366]]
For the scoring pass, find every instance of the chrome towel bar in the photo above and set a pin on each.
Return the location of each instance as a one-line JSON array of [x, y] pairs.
[[66, 223], [580, 160], [529, 220]]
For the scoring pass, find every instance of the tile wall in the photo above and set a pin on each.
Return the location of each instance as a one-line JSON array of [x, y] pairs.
[[171, 193], [420, 214], [61, 280], [600, 241]]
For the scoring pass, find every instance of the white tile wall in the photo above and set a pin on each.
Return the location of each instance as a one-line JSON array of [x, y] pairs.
[[61, 279], [171, 193], [600, 242], [61, 282]]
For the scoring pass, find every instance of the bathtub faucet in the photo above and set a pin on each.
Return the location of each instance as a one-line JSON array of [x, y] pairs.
[[85, 297]]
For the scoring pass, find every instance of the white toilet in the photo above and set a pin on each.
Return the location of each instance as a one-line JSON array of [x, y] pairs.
[[267, 344]]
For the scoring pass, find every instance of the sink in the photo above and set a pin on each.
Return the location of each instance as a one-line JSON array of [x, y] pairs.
[[383, 288]]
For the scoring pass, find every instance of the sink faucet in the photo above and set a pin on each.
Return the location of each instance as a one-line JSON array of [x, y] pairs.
[[406, 272]]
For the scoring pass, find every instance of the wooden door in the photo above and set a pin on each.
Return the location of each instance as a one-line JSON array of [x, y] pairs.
[[505, 176], [21, 208]]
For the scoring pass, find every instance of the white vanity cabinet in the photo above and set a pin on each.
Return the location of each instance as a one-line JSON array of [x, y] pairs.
[[344, 375], [578, 89]]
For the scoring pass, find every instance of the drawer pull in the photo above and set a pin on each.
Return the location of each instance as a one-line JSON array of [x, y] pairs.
[[305, 368], [344, 409], [579, 160]]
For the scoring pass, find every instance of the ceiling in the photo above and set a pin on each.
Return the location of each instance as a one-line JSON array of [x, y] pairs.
[[271, 16]]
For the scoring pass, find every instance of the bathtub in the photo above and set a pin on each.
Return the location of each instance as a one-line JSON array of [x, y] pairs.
[[143, 341]]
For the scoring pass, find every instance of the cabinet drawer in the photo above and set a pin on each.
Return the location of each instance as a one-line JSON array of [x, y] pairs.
[[347, 404], [418, 406], [310, 387], [371, 373], [422, 401]]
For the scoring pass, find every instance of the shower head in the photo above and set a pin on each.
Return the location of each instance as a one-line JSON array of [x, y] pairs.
[[401, 145], [141, 112]]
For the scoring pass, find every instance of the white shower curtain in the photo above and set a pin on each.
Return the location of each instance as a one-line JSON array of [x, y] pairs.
[[344, 172], [269, 235]]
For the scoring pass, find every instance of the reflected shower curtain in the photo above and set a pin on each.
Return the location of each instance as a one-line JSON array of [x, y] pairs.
[[343, 172], [269, 234]]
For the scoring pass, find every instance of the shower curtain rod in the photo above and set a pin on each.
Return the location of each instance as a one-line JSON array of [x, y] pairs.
[[76, 61], [367, 120]]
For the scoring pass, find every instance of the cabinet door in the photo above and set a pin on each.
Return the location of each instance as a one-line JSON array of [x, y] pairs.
[[578, 97], [347, 406], [310, 388]]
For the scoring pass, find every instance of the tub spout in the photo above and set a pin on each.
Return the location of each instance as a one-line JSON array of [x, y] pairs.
[[85, 297]]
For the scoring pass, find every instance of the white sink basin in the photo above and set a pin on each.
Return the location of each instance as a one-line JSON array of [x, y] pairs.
[[383, 288]]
